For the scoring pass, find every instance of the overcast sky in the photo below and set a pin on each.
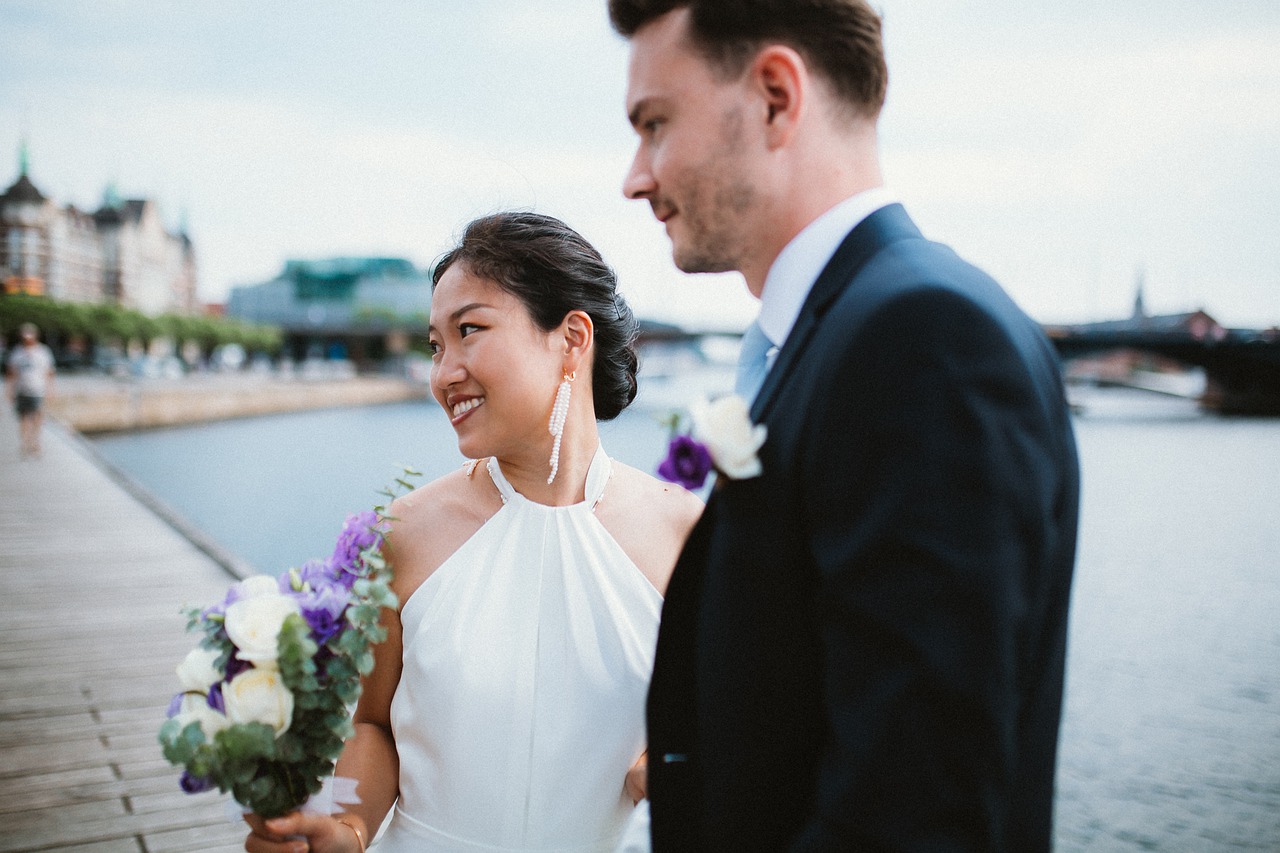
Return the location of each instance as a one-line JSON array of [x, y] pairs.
[[1064, 147]]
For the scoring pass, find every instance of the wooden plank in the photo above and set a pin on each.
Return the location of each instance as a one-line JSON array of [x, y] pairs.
[[44, 789], [52, 832], [45, 796], [205, 840], [18, 731], [118, 845], [144, 767], [110, 810], [71, 754]]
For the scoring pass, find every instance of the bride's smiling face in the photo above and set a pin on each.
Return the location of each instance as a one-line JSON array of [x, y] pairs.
[[492, 369]]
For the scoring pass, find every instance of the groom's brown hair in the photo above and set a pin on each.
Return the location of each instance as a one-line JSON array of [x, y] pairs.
[[840, 39]]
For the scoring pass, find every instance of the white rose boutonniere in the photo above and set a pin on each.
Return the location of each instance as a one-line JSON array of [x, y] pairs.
[[724, 426], [723, 438]]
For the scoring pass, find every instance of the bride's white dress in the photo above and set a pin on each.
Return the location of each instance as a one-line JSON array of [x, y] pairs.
[[527, 658]]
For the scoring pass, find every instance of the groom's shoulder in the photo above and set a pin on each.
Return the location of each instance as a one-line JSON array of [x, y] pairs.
[[922, 262], [920, 270]]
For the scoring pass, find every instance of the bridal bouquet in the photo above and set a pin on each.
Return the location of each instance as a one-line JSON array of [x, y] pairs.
[[267, 695]]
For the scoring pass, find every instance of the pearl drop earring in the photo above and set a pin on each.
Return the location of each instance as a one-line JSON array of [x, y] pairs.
[[559, 412]]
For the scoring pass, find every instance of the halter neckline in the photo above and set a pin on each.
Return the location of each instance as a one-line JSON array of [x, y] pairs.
[[597, 478]]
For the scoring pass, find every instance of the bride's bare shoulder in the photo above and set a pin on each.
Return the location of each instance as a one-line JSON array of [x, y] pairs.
[[431, 522], [650, 519], [453, 496], [666, 504]]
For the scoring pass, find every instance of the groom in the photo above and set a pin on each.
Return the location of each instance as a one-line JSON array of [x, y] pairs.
[[862, 647]]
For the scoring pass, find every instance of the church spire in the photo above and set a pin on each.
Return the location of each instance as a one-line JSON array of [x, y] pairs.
[[1139, 300], [23, 191], [111, 196]]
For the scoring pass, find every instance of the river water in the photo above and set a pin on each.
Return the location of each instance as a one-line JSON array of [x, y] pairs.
[[1171, 732]]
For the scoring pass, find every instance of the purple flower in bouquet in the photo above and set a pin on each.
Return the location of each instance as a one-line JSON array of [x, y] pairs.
[[317, 573], [360, 533], [235, 666], [688, 462], [215, 700], [194, 784], [323, 608], [218, 610]]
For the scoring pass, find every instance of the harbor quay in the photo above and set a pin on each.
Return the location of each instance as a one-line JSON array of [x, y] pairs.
[[91, 587], [96, 403]]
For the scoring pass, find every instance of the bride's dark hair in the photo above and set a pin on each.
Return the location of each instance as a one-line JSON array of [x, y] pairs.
[[552, 270]]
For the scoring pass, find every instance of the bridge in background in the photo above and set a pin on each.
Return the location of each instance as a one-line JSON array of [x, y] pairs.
[[1242, 366]]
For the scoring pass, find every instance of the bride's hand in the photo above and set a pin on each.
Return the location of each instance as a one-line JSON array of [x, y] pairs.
[[302, 833], [637, 782]]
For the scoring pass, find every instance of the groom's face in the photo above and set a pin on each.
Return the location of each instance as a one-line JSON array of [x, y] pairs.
[[692, 161]]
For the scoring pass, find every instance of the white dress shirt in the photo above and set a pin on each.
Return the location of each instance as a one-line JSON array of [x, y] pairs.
[[798, 265]]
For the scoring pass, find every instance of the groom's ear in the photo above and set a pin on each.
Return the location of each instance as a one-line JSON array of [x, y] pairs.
[[781, 81], [579, 333]]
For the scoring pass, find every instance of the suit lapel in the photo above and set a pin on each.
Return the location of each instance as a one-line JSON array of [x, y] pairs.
[[887, 225]]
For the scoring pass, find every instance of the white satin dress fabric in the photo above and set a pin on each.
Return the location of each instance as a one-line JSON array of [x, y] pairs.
[[520, 708]]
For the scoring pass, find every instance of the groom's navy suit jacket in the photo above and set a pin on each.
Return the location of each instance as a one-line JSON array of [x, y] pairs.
[[862, 648]]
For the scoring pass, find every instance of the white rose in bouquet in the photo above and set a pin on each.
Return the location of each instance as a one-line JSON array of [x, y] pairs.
[[253, 625], [198, 671], [259, 696], [724, 426], [257, 586], [194, 708]]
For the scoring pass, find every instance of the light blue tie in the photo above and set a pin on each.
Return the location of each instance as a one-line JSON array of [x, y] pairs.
[[753, 362]]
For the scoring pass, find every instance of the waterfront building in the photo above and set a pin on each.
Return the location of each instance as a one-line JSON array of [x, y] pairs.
[[120, 254], [145, 266], [369, 310]]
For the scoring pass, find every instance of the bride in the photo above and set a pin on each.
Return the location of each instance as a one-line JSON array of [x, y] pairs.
[[505, 711]]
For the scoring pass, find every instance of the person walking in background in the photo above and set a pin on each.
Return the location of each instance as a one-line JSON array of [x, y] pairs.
[[29, 374], [862, 646]]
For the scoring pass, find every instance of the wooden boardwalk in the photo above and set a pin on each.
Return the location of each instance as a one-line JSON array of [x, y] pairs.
[[91, 585]]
